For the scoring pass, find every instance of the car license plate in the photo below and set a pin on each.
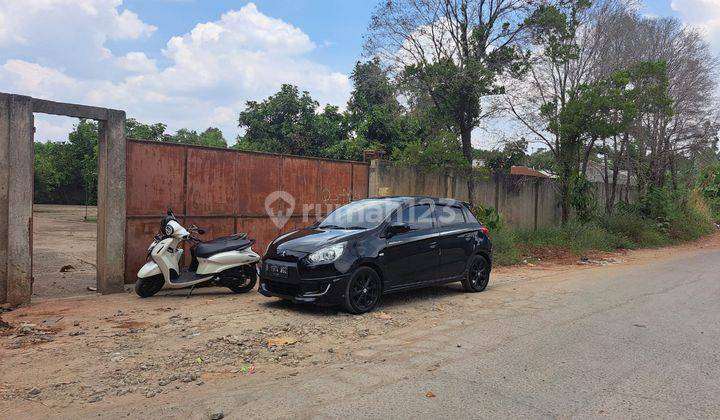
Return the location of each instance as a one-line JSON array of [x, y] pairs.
[[277, 270]]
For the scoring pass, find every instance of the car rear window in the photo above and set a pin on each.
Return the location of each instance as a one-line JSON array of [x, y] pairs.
[[470, 217], [450, 215]]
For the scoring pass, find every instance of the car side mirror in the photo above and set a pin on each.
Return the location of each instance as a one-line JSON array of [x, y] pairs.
[[396, 228]]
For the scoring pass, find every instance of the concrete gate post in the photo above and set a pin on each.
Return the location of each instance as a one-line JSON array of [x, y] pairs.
[[112, 182], [16, 197], [4, 172]]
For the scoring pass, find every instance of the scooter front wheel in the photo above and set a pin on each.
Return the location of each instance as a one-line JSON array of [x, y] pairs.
[[149, 286]]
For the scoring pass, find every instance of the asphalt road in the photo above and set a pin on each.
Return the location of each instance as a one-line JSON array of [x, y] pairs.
[[638, 340]]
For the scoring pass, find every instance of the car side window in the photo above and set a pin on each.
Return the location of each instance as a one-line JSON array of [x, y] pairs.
[[470, 217], [418, 217], [450, 216]]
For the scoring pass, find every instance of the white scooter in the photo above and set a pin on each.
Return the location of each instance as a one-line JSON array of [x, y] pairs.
[[228, 261]]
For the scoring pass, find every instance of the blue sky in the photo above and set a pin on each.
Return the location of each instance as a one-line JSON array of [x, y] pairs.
[[194, 63], [336, 26]]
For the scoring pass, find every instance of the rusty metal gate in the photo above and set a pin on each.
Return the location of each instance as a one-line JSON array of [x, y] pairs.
[[225, 191]]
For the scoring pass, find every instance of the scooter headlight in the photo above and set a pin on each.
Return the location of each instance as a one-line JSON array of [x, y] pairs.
[[327, 254], [169, 229]]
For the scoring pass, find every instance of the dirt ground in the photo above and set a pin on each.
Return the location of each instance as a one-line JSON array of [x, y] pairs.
[[64, 251], [119, 356]]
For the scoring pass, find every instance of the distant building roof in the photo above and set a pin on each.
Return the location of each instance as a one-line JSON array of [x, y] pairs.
[[525, 171]]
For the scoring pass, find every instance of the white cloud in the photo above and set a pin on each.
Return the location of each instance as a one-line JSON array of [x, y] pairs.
[[67, 34], [53, 128], [137, 62], [127, 25], [35, 80], [213, 69], [25, 18], [702, 14]]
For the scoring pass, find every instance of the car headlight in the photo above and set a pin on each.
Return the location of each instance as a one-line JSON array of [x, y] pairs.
[[327, 254]]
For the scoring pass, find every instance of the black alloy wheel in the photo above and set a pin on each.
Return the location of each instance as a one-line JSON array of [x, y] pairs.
[[478, 275], [363, 291]]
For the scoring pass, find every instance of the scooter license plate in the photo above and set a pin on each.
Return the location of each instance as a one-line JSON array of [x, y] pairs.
[[277, 270]]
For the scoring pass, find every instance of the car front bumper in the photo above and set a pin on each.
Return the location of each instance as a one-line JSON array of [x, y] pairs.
[[323, 285], [320, 291]]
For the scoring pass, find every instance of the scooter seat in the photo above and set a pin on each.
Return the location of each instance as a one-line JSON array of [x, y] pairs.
[[226, 243]]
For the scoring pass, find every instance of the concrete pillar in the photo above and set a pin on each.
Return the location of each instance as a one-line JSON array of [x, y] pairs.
[[4, 172], [112, 182], [16, 197], [373, 178]]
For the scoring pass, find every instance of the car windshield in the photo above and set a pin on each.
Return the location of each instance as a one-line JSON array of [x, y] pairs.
[[362, 214]]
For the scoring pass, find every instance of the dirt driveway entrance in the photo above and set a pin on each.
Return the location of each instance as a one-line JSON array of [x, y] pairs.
[[64, 251]]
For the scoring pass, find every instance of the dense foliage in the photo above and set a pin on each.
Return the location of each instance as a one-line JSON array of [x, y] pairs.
[[66, 173], [709, 186]]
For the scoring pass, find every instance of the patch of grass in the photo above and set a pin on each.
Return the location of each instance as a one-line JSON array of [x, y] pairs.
[[715, 208], [579, 238], [692, 218], [659, 219], [638, 231], [505, 246]]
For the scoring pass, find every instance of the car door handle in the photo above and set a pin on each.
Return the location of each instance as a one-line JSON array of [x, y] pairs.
[[433, 245]]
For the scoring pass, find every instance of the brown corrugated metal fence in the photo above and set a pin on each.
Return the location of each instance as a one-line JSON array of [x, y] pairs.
[[224, 191]]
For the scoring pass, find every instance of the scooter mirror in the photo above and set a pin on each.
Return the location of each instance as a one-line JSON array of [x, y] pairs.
[[201, 231]]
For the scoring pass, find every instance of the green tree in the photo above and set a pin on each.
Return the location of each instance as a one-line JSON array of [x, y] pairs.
[[451, 54], [137, 130], [350, 149], [513, 153], [553, 29], [66, 173], [331, 126], [287, 123], [212, 137], [541, 160], [84, 142], [53, 172], [650, 94], [592, 112], [184, 136], [440, 152], [373, 109]]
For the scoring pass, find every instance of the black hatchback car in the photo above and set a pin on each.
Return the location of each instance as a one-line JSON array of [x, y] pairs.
[[375, 246]]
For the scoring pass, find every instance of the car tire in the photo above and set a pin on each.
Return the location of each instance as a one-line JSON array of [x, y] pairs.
[[149, 286], [363, 291], [478, 274]]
